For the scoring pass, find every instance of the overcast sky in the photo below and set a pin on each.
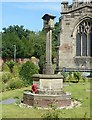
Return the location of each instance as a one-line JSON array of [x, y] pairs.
[[28, 12]]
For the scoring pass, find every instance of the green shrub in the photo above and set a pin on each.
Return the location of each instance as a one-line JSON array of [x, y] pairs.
[[65, 75], [10, 65], [27, 70], [71, 77], [6, 76], [15, 83], [50, 115], [74, 76], [5, 86], [16, 69], [5, 68], [77, 76]]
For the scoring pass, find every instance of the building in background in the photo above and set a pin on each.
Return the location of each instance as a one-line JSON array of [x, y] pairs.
[[74, 51]]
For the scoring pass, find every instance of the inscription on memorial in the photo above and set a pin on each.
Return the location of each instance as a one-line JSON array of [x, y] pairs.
[[51, 84]]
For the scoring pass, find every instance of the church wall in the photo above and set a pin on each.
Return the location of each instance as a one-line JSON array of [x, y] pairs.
[[66, 43], [67, 39]]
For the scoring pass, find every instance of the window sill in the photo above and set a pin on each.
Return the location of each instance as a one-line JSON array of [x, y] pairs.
[[89, 57]]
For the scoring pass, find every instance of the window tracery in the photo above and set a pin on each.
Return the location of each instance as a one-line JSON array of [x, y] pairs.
[[84, 38]]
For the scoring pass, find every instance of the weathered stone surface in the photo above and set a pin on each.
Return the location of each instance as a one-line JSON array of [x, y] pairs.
[[72, 16], [43, 100], [48, 82], [51, 84], [48, 26]]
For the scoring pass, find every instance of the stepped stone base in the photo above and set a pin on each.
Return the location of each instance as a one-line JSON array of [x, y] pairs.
[[50, 91], [41, 100]]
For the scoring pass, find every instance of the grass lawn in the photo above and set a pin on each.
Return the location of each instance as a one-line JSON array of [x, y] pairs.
[[78, 92]]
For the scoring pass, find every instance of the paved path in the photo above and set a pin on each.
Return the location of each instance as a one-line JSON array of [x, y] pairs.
[[8, 101]]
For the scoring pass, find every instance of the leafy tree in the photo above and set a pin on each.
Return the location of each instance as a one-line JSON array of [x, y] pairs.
[[18, 30], [55, 40], [28, 43], [16, 35]]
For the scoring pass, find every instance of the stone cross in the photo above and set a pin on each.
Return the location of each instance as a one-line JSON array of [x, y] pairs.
[[48, 26]]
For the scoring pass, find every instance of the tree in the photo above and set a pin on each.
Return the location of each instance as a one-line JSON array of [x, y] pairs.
[[55, 39], [28, 43], [16, 35]]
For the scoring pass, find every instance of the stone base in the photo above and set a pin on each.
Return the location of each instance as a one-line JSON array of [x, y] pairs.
[[50, 91], [48, 82], [43, 100]]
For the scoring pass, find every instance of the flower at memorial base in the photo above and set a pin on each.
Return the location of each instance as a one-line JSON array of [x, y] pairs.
[[34, 88]]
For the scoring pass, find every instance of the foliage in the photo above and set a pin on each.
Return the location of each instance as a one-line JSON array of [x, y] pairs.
[[19, 30], [74, 76], [65, 75], [16, 69], [6, 76], [51, 113], [5, 68], [10, 76], [27, 70], [15, 35], [71, 76], [15, 83], [77, 76], [42, 63], [28, 43], [54, 40], [10, 65], [38, 44]]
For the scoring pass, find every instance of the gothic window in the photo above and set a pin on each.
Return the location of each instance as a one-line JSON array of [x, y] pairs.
[[84, 44], [90, 44], [84, 38], [78, 44]]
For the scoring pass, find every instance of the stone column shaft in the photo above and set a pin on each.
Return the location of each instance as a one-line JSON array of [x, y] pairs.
[[48, 67]]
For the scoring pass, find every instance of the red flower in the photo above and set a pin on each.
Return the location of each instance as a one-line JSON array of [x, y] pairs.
[[34, 88]]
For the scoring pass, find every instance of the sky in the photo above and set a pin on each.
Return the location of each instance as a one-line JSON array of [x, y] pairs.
[[28, 13]]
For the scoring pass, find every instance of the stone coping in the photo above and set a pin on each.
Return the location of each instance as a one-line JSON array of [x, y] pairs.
[[33, 94], [45, 76]]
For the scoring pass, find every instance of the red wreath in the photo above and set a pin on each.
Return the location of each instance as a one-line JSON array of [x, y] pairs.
[[34, 88]]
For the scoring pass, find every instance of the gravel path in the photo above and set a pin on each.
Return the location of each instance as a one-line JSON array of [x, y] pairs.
[[8, 101]]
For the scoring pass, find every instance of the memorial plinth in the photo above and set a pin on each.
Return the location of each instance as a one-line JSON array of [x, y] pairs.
[[49, 85], [50, 91]]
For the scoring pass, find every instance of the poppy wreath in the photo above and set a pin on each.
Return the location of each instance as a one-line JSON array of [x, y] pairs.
[[34, 88]]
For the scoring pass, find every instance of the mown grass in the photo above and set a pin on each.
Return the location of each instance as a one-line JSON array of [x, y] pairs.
[[14, 111], [17, 93], [78, 92]]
